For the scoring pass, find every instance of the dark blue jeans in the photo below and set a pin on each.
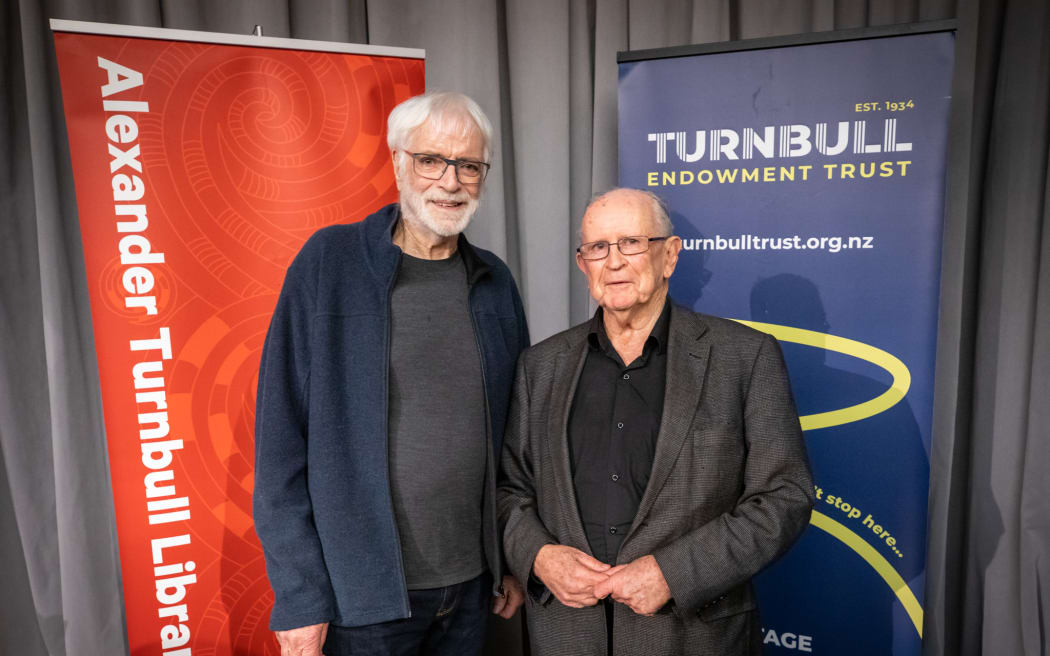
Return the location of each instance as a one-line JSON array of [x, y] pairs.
[[447, 621]]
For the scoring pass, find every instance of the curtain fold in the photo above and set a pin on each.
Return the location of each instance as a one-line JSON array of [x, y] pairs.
[[989, 534], [545, 72], [1013, 215], [24, 407]]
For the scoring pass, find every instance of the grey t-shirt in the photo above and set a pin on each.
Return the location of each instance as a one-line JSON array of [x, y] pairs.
[[438, 449]]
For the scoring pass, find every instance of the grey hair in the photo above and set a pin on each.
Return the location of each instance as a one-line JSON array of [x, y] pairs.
[[657, 207], [448, 108]]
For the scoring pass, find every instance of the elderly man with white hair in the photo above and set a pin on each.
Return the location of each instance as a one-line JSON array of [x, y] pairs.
[[383, 393], [654, 460]]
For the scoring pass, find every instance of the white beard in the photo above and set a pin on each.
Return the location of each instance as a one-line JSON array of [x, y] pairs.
[[416, 208]]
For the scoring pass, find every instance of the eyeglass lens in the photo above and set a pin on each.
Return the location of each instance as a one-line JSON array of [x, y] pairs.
[[627, 245], [433, 167]]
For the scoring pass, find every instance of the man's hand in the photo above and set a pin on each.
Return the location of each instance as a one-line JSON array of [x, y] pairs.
[[569, 574], [639, 585], [304, 641], [506, 605]]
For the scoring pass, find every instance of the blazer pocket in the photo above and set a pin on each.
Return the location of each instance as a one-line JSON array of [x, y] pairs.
[[740, 599]]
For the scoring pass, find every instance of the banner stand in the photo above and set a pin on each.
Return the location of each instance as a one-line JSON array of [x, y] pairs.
[[806, 177], [202, 162]]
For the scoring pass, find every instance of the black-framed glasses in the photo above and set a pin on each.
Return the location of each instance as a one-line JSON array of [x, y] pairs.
[[432, 167], [599, 250]]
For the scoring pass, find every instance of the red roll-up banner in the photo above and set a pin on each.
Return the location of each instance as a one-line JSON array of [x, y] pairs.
[[202, 162]]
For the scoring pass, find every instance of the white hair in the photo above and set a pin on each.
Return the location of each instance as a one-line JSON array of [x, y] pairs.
[[657, 208], [447, 108]]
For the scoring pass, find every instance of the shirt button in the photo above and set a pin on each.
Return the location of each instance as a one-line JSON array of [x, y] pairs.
[[612, 529], [627, 376], [619, 425], [616, 477]]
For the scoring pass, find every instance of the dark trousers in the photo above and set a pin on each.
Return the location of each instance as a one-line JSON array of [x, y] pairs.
[[608, 604], [448, 621]]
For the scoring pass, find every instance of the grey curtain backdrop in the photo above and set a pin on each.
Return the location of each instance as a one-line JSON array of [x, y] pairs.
[[545, 71]]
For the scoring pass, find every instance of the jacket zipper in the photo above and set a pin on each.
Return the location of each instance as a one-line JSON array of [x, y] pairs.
[[406, 607], [490, 468]]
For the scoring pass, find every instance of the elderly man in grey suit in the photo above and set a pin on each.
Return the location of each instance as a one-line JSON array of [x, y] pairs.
[[653, 461]]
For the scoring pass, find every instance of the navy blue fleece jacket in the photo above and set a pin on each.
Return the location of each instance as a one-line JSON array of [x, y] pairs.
[[322, 504]]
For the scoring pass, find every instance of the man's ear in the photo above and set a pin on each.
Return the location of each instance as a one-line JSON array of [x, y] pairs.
[[673, 246], [580, 263], [395, 159]]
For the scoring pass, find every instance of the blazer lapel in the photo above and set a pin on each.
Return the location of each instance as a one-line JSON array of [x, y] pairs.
[[567, 369], [687, 359]]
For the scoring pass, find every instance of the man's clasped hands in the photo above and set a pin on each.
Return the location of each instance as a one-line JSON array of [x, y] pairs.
[[577, 579]]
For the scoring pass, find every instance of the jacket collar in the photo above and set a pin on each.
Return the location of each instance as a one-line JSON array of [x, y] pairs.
[[384, 255], [476, 267], [687, 359]]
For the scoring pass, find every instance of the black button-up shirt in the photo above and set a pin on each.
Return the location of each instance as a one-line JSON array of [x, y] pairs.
[[613, 425]]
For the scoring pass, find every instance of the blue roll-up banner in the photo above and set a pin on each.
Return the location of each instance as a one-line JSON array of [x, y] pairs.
[[807, 182]]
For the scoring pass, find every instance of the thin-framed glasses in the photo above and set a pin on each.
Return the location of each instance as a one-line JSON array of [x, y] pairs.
[[599, 250], [432, 167]]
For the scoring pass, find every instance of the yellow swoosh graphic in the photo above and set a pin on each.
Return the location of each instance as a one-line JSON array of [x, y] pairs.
[[877, 562], [897, 390], [868, 353]]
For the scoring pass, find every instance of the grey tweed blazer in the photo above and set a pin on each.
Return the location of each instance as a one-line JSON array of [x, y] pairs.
[[730, 490]]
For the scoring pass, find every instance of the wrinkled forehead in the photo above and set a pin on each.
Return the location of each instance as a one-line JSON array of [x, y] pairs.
[[617, 217]]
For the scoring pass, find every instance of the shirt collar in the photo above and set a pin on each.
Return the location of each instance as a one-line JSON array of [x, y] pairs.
[[598, 340]]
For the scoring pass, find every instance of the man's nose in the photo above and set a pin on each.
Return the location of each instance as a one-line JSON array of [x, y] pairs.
[[448, 180], [615, 259]]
